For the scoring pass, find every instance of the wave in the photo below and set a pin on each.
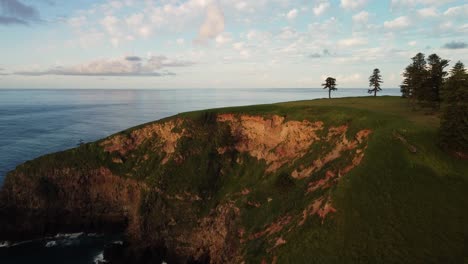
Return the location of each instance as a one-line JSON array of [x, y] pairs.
[[5, 244], [60, 239], [99, 259]]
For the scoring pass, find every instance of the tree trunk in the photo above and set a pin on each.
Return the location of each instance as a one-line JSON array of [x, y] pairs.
[[329, 94], [375, 92]]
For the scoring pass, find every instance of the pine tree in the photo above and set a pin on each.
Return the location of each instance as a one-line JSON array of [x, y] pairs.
[[454, 119], [405, 86], [374, 82], [415, 79], [330, 84], [435, 81]]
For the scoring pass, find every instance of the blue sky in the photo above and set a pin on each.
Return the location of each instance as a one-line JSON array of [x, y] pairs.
[[222, 43]]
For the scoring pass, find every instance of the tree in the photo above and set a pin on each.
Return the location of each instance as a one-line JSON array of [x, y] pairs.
[[374, 82], [454, 119], [405, 86], [415, 79], [435, 81], [330, 84]]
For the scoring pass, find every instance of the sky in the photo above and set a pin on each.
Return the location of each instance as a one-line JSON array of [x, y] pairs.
[[222, 43]]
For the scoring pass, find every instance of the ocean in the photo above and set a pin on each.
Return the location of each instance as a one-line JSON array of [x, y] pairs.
[[37, 122]]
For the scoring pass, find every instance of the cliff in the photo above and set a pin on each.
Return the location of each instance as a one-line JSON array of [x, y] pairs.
[[342, 180]]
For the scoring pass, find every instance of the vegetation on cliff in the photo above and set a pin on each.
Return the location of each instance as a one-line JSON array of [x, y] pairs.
[[324, 181]]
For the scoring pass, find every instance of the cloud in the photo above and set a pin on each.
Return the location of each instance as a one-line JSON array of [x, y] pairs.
[[2, 73], [351, 42], [457, 11], [223, 38], [321, 8], [15, 12], [455, 45], [292, 14], [353, 4], [397, 23], [361, 17], [411, 3], [127, 66], [213, 24], [317, 55], [133, 58], [428, 12]]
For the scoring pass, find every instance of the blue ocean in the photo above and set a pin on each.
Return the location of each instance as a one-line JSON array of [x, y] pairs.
[[37, 122]]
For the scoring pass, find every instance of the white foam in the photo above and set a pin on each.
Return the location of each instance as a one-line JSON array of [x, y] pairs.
[[52, 243], [4, 244], [99, 258], [118, 242], [21, 243], [70, 235]]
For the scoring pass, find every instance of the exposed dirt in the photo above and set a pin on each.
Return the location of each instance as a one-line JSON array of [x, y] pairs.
[[405, 142], [273, 228], [271, 139], [336, 135], [164, 133], [321, 207]]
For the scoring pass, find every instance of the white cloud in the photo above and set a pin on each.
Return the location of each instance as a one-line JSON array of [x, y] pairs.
[[353, 4], [180, 41], [351, 42], [125, 66], [457, 11], [412, 3], [223, 38], [397, 23], [238, 45], [412, 43], [109, 23], [213, 24], [428, 12], [292, 14], [361, 17], [321, 8]]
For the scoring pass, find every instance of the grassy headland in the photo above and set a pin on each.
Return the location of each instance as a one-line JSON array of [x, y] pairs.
[[325, 181]]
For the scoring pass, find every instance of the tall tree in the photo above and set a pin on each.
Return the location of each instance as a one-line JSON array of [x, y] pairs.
[[405, 86], [454, 119], [330, 84], [374, 82], [415, 79], [436, 78]]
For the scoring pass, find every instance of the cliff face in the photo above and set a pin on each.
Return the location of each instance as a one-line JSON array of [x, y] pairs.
[[219, 187]]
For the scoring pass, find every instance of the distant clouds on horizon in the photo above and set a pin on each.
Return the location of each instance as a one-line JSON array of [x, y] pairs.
[[222, 43]]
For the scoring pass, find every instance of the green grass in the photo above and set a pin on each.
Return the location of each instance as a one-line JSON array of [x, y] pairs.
[[396, 207]]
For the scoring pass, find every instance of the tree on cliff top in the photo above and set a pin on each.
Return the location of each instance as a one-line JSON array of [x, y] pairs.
[[435, 81], [415, 79], [374, 82], [330, 84], [454, 119]]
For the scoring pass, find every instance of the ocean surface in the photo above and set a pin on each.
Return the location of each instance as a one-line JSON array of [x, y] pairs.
[[37, 122]]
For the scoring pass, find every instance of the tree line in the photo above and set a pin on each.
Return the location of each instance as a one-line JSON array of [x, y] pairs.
[[428, 85]]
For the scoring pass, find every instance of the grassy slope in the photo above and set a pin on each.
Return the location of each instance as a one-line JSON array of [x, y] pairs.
[[396, 207], [404, 207]]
